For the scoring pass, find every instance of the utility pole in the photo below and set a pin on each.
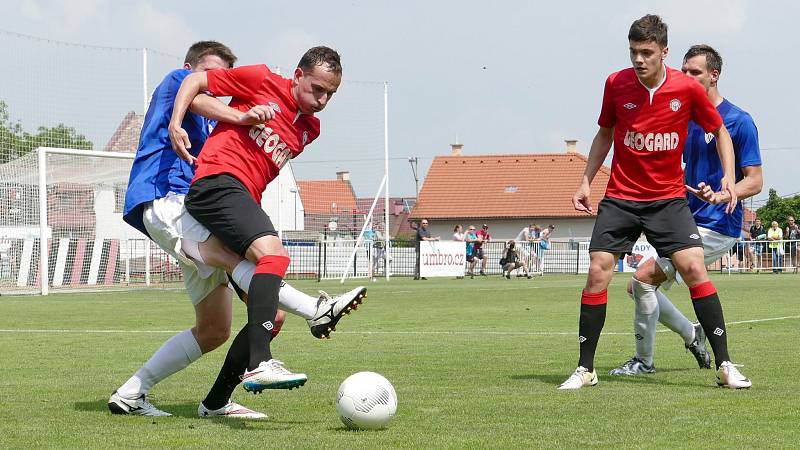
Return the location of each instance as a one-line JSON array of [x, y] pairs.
[[414, 161]]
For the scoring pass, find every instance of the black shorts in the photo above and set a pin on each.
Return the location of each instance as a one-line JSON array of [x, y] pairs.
[[222, 204], [668, 226], [470, 257], [478, 253]]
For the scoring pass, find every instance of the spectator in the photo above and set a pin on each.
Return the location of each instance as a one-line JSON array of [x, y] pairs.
[[511, 261], [458, 233], [483, 237], [775, 235], [743, 252], [757, 233], [471, 238], [423, 234], [378, 246], [544, 244], [792, 233], [527, 235], [458, 236]]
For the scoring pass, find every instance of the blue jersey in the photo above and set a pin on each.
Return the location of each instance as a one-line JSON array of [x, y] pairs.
[[157, 169], [703, 164]]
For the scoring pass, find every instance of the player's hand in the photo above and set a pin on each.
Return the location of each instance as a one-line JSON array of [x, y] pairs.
[[181, 143], [727, 186], [581, 199], [705, 193], [257, 114]]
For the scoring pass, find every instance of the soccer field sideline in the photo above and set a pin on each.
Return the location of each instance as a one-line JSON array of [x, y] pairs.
[[473, 332]]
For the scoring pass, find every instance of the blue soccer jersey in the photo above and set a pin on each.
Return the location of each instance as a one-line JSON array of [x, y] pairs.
[[703, 164], [157, 169]]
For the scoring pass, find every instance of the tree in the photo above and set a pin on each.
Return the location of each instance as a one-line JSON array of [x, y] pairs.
[[779, 208], [16, 142]]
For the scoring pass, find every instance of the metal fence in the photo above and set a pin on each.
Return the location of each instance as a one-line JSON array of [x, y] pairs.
[[760, 256]]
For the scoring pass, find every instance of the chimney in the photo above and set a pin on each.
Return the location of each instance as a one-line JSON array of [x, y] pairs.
[[572, 145], [343, 175], [455, 149]]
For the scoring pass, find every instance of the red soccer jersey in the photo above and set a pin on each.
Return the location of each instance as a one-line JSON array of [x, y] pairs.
[[255, 154], [649, 135]]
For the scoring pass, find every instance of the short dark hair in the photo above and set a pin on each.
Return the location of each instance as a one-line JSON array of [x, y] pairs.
[[649, 28], [713, 59], [200, 50], [318, 56]]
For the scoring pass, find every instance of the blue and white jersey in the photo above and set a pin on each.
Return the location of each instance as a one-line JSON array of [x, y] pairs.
[[157, 169], [703, 164]]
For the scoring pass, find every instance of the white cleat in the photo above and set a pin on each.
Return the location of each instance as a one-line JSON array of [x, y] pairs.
[[232, 410], [271, 375], [580, 378], [729, 376], [118, 404], [331, 309]]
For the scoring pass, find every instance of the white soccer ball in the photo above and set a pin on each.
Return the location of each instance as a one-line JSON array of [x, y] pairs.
[[366, 401]]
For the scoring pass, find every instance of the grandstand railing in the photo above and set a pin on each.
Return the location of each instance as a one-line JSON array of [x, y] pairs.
[[751, 256]]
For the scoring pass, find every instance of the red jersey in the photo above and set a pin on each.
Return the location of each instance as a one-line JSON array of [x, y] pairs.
[[254, 155], [483, 234], [650, 131]]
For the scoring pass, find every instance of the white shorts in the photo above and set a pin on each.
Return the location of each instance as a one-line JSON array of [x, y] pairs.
[[715, 245], [167, 222]]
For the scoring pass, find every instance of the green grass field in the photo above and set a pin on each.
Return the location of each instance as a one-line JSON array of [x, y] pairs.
[[475, 364]]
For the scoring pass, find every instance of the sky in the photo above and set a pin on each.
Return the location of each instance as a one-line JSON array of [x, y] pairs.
[[501, 77]]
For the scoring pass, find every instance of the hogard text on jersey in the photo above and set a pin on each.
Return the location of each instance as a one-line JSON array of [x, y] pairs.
[[652, 142], [272, 144]]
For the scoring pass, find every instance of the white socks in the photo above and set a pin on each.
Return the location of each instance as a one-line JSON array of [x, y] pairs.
[[645, 316], [177, 353], [673, 319], [298, 303], [289, 299]]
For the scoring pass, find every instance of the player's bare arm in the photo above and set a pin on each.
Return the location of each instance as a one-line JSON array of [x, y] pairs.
[[750, 185], [601, 145], [192, 85], [213, 108], [726, 156]]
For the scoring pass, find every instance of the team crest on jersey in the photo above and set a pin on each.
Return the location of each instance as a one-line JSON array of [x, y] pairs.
[[629, 105], [709, 137], [675, 104], [305, 138], [274, 106]]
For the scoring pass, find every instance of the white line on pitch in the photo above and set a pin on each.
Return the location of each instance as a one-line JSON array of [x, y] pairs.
[[478, 332]]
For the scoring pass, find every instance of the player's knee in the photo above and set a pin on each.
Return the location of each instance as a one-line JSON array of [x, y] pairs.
[[212, 336], [694, 271]]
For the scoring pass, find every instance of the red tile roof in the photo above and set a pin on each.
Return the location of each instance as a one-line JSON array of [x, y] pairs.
[[317, 196], [505, 186], [126, 137]]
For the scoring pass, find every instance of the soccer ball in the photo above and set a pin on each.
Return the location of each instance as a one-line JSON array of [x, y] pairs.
[[366, 401]]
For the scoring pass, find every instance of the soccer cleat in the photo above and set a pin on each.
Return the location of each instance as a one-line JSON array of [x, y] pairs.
[[580, 378], [508, 275], [698, 348], [729, 376], [271, 375], [330, 311], [232, 410], [483, 274], [118, 404], [633, 367]]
